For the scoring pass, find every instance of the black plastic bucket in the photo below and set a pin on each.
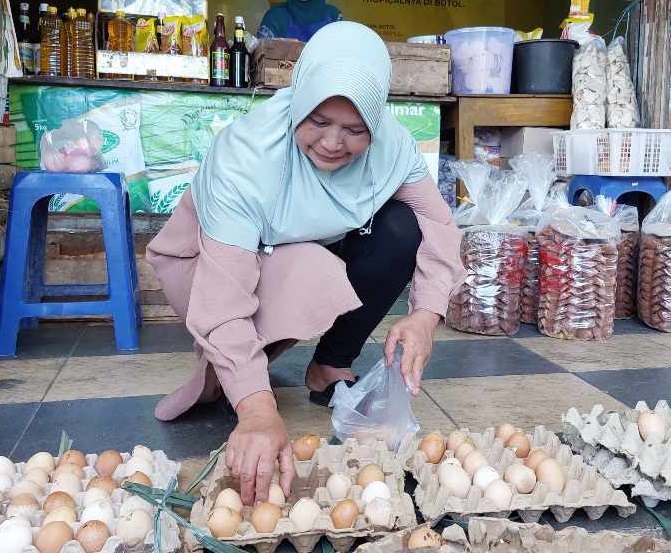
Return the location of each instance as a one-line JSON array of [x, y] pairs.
[[543, 66]]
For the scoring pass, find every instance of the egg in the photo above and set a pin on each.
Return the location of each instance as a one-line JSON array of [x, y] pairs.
[[451, 461], [58, 499], [69, 468], [484, 476], [500, 494], [433, 446], [107, 462], [100, 510], [304, 514], [143, 451], [6, 483], [138, 464], [455, 439], [139, 477], [38, 475], [276, 495], [344, 514], [228, 497], [550, 472], [15, 535], [535, 458], [134, 527], [92, 536], [73, 456], [61, 514], [522, 478], [374, 490], [424, 538], [43, 460], [7, 467], [94, 495], [223, 522], [23, 505], [264, 517], [133, 503], [651, 426], [473, 461], [52, 537], [379, 513], [106, 483], [67, 483], [519, 442], [463, 450], [454, 479], [369, 473], [305, 447], [504, 431], [338, 486], [26, 486]]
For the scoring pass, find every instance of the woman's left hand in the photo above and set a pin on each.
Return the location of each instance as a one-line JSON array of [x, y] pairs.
[[415, 333]]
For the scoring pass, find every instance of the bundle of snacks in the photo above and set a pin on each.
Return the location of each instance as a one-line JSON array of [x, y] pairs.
[[503, 470], [75, 504], [578, 252], [343, 492], [146, 41], [539, 172], [622, 105], [589, 86], [493, 253], [654, 277]]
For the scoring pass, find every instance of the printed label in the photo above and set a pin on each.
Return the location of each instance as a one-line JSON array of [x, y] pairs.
[[239, 33], [27, 55], [221, 63]]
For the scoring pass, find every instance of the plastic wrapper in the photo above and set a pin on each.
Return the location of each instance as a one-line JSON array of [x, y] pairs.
[[145, 40], [589, 86], [578, 254], [75, 147], [536, 34], [377, 406], [654, 277], [195, 40], [622, 105], [171, 35]]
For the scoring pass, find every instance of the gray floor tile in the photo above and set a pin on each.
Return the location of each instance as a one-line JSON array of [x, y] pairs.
[[48, 340], [154, 338], [632, 385], [13, 421]]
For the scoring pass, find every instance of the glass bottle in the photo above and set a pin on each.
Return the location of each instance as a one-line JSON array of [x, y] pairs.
[[24, 39], [220, 55], [239, 55]]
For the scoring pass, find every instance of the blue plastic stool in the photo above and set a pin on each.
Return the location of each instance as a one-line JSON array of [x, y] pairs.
[[23, 290], [615, 187]]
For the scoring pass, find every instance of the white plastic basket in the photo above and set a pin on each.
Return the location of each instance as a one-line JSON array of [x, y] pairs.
[[613, 152]]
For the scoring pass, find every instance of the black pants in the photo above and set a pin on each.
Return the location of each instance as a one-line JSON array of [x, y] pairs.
[[379, 266]]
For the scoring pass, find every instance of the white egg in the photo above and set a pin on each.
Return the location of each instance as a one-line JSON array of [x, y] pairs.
[[26, 486], [454, 479], [68, 483], [304, 514], [379, 512], [522, 478], [141, 464], [500, 494], [451, 461], [484, 476], [93, 495], [37, 475], [15, 535], [144, 452], [134, 527], [6, 482], [43, 460], [276, 495], [7, 467], [100, 510], [338, 486], [133, 503], [228, 497], [651, 426], [374, 490]]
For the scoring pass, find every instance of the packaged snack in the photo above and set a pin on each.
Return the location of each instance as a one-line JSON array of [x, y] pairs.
[[171, 36], [195, 39]]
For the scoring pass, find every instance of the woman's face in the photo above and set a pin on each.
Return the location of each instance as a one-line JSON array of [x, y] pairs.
[[333, 134]]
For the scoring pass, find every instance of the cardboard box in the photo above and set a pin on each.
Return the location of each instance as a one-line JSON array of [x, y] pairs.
[[420, 69], [130, 64], [7, 154], [273, 62], [525, 140], [7, 136]]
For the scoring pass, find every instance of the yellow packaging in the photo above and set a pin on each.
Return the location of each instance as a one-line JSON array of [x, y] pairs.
[[536, 34], [171, 35], [145, 36], [579, 7], [195, 38]]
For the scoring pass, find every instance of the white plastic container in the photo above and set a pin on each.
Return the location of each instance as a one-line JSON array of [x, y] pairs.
[[426, 39], [482, 59]]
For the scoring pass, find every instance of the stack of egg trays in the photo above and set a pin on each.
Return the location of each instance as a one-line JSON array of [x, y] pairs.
[[164, 471], [310, 481], [611, 442], [585, 488]]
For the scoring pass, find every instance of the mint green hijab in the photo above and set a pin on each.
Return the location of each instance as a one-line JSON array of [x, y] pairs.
[[255, 187]]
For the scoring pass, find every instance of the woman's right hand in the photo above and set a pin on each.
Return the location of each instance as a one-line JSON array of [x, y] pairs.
[[259, 439]]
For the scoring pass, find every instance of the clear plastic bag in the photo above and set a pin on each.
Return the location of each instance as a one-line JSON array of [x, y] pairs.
[[654, 277], [74, 147], [377, 406], [622, 105], [474, 175], [589, 86], [578, 255]]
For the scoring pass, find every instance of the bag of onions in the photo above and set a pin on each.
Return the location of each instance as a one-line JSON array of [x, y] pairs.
[[627, 259], [539, 172], [654, 277], [493, 252], [578, 254]]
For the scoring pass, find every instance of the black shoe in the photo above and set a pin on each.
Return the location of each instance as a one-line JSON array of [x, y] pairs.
[[323, 398]]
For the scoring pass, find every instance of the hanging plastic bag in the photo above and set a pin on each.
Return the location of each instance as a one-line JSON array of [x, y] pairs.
[[377, 406], [654, 277], [74, 147]]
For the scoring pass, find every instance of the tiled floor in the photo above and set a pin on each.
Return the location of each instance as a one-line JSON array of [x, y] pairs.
[[69, 377]]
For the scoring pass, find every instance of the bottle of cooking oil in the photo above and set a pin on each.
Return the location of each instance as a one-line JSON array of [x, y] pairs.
[[67, 28], [83, 52], [120, 36], [50, 44]]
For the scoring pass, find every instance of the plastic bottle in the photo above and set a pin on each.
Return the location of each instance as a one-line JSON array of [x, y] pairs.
[[239, 55], [24, 39], [83, 51], [37, 46], [50, 44], [220, 55], [120, 36], [66, 42]]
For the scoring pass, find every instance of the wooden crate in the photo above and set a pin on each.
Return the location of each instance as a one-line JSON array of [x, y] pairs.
[[273, 62], [420, 69]]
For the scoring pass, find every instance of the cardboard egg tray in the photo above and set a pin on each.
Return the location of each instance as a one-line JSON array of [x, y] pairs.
[[611, 442], [585, 488], [494, 535], [310, 481], [164, 471]]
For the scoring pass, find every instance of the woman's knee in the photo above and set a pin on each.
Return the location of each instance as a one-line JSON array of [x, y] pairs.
[[397, 224]]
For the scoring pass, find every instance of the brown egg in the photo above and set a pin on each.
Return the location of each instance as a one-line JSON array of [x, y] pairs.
[[23, 505], [550, 472], [424, 538], [106, 483], [73, 456], [68, 468], [520, 443], [474, 461], [305, 447], [504, 431], [344, 514], [93, 535], [223, 522], [455, 439], [61, 514], [138, 478], [433, 446], [107, 462], [52, 537], [535, 458], [463, 450], [264, 517], [58, 499], [369, 473]]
